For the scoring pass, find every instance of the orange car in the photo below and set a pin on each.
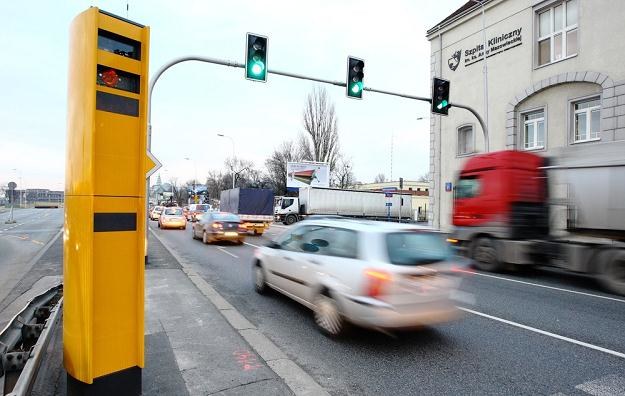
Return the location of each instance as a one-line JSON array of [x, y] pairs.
[[172, 218]]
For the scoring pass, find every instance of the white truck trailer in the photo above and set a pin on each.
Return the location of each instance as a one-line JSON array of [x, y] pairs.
[[346, 203]]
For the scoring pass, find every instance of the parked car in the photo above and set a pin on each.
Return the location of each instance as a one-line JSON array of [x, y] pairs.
[[155, 213], [372, 274], [172, 218], [196, 211], [219, 226]]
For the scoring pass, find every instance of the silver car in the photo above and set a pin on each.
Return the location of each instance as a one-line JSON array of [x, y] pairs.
[[372, 274]]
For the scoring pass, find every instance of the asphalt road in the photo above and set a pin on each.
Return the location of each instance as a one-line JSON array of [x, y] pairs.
[[536, 332], [20, 242]]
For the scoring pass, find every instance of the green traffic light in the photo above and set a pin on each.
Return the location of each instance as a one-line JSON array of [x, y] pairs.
[[442, 104], [257, 68], [355, 88]]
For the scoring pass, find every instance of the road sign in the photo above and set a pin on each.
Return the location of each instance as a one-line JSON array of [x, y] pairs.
[[448, 186], [388, 194], [389, 204], [388, 189]]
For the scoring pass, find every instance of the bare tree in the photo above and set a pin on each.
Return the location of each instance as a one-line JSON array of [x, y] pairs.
[[320, 141], [424, 178], [276, 165], [343, 175], [379, 178]]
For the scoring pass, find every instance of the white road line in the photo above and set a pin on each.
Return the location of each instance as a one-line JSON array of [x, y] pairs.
[[543, 286], [547, 333], [279, 226], [608, 385], [251, 244], [227, 252]]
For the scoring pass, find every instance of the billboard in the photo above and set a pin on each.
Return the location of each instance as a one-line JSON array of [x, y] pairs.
[[307, 174]]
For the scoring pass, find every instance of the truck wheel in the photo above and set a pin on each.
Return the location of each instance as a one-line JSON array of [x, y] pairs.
[[290, 219], [613, 274], [485, 255]]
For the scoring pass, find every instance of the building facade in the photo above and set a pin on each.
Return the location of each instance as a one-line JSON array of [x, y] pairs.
[[555, 78]]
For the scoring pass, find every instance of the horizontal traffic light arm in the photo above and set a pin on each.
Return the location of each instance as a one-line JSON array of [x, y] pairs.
[[222, 62]]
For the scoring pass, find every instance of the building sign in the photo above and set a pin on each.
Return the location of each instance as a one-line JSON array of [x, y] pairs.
[[494, 46], [448, 187], [307, 174]]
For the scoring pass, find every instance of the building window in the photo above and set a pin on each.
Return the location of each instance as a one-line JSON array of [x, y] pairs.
[[534, 130], [557, 32], [465, 140], [586, 120]]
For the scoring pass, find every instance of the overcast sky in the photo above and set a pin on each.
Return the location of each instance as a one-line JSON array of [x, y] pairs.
[[195, 101]]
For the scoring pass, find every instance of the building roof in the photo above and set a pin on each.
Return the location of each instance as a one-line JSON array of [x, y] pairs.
[[465, 9]]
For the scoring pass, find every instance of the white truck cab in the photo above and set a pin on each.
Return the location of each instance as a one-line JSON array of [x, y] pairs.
[[287, 210]]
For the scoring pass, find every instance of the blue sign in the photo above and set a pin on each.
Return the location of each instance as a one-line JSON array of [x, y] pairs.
[[389, 189], [448, 186], [388, 195], [389, 204]]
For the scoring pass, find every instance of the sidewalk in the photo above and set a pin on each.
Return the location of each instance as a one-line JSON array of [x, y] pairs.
[[191, 348]]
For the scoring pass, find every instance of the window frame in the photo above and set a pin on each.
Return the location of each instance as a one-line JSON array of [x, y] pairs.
[[522, 122], [563, 31], [588, 111], [472, 152]]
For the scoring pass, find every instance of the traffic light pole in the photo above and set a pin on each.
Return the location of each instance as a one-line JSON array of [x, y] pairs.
[[240, 65]]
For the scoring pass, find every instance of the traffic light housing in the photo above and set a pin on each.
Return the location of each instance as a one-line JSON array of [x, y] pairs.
[[440, 96], [256, 58], [355, 75]]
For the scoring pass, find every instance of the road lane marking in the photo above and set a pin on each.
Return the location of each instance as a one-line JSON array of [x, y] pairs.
[[543, 286], [251, 244], [608, 385], [547, 333], [37, 242], [227, 252]]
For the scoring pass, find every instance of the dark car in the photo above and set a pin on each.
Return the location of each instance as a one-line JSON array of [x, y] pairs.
[[219, 226]]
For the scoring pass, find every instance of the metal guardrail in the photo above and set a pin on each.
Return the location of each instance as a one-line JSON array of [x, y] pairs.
[[24, 340]]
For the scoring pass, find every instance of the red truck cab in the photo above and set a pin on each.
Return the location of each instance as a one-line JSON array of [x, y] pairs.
[[500, 195]]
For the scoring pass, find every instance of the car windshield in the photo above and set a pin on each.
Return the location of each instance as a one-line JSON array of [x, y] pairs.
[[201, 208], [415, 248], [158, 209], [226, 217], [173, 211]]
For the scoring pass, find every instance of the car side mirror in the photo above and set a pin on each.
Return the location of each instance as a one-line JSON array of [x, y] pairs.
[[273, 245], [310, 247]]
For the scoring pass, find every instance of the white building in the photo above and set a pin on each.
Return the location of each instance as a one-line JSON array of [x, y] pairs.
[[555, 77]]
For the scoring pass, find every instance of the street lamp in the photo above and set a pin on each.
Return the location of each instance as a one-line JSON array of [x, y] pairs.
[[233, 157], [195, 173]]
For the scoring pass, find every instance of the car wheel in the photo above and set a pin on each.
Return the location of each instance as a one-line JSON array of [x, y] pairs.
[[290, 219], [260, 283], [328, 316], [205, 237], [485, 255]]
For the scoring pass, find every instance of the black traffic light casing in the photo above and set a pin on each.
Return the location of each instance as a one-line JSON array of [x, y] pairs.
[[401, 183], [440, 96], [355, 75], [256, 58]]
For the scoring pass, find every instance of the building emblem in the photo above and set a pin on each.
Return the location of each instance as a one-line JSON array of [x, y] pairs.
[[454, 61]]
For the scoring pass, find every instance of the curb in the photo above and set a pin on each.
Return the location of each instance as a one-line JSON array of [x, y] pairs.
[[300, 382]]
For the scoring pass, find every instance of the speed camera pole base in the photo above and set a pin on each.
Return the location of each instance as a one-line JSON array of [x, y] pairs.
[[121, 383]]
